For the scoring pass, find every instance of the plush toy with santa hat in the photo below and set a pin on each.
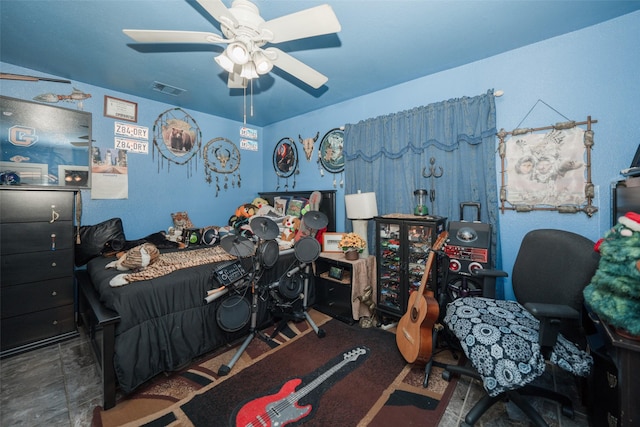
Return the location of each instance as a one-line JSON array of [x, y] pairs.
[[614, 291]]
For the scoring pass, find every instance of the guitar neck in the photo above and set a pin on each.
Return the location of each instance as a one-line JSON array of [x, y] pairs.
[[442, 237], [294, 397]]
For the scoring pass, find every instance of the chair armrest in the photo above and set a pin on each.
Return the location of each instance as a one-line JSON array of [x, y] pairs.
[[550, 316], [489, 280], [490, 273], [557, 311]]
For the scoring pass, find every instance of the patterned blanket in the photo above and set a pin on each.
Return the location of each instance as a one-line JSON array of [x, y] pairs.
[[172, 261]]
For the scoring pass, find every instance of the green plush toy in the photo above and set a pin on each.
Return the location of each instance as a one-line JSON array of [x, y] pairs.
[[614, 291]]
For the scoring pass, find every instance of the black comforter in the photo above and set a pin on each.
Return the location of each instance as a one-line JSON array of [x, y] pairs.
[[165, 322]]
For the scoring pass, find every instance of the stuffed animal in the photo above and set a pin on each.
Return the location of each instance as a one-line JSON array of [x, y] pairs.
[[614, 291], [136, 258], [290, 225], [259, 202]]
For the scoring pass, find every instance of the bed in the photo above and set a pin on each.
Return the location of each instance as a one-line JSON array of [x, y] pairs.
[[161, 324]]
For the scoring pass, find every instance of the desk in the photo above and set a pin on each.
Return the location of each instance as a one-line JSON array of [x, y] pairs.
[[358, 274]]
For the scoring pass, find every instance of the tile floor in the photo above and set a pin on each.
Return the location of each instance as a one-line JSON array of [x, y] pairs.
[[59, 385]]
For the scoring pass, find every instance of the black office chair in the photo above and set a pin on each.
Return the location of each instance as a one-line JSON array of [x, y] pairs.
[[508, 344]]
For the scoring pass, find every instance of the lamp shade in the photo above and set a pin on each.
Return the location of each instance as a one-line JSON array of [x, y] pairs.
[[361, 205]]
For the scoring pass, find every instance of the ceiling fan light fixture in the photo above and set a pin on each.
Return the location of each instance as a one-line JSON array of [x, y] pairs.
[[262, 64], [238, 53], [249, 71], [225, 62]]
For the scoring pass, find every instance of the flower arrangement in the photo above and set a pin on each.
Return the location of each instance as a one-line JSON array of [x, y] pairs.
[[352, 241]]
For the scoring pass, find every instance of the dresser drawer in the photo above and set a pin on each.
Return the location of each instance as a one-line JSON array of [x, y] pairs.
[[34, 206], [36, 267], [26, 237], [36, 296], [40, 325]]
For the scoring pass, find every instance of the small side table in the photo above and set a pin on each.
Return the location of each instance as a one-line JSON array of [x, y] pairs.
[[338, 297]]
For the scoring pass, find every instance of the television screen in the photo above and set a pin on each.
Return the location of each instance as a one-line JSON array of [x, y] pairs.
[[45, 145]]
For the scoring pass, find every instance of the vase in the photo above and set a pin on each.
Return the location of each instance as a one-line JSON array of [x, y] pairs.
[[351, 254]]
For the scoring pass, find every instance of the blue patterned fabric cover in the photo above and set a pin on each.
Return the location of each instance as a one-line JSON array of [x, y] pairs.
[[500, 338]]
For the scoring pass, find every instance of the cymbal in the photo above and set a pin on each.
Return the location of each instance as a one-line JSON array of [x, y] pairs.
[[315, 220], [265, 228], [238, 246]]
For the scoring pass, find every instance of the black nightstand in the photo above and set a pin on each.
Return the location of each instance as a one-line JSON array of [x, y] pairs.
[[339, 282]]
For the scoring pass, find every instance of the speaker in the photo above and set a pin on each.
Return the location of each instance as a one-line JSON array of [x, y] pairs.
[[468, 248]]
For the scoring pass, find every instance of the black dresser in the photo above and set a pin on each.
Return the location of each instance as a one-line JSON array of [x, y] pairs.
[[37, 288]]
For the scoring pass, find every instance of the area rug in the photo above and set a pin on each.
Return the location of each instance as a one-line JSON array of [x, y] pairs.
[[351, 377]]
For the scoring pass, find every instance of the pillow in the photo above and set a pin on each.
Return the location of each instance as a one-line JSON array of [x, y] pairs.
[[295, 206], [280, 205], [94, 239]]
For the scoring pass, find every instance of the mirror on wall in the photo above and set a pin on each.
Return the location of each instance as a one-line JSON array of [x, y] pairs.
[[44, 145]]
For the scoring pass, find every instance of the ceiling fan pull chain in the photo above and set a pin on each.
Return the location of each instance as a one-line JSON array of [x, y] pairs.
[[251, 98], [244, 106]]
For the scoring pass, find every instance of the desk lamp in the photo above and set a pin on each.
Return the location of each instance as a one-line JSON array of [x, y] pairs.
[[361, 207]]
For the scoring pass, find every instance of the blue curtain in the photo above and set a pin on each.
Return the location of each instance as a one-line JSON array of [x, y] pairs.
[[390, 155]]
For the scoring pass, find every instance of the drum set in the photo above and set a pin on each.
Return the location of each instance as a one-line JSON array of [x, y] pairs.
[[286, 298]]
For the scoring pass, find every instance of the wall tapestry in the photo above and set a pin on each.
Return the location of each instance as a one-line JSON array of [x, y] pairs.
[[285, 161], [222, 156], [547, 168], [177, 138]]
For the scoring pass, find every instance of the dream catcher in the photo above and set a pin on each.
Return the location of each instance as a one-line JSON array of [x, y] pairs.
[[177, 138], [221, 156], [331, 155], [285, 161]]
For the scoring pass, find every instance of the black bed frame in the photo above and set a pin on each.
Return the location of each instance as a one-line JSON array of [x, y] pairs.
[[100, 322]]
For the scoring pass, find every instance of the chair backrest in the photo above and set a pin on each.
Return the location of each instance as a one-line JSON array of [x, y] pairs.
[[554, 266]]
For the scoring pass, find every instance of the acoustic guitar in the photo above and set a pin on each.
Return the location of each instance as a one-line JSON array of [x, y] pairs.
[[414, 334]]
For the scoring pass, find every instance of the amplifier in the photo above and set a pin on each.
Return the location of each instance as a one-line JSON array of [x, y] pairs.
[[228, 272]]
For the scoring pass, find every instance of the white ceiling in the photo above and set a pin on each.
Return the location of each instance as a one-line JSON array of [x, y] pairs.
[[382, 44]]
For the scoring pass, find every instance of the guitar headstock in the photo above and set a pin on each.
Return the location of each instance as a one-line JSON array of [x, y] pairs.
[[440, 241], [352, 355]]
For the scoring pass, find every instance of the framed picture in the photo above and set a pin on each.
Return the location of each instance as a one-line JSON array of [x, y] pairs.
[[41, 143], [330, 242], [120, 109], [336, 272]]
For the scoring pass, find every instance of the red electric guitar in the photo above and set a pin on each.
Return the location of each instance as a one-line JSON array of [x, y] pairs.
[[282, 408], [414, 334]]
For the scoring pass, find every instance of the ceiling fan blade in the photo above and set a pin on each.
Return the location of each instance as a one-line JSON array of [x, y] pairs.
[[315, 21], [166, 36], [236, 82], [297, 69], [218, 10]]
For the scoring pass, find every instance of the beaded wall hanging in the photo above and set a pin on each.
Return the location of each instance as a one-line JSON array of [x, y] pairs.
[[176, 138], [222, 156]]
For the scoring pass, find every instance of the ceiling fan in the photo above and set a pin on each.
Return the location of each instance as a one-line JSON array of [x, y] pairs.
[[245, 32]]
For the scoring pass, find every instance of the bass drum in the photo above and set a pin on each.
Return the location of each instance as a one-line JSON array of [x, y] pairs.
[[268, 253], [233, 313]]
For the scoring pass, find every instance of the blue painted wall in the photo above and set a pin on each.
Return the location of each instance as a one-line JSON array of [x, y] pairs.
[[594, 71]]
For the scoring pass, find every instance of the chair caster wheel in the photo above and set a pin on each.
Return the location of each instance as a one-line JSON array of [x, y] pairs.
[[446, 375]]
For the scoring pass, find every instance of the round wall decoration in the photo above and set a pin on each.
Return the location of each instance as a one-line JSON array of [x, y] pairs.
[[331, 155], [285, 160], [176, 137], [222, 156]]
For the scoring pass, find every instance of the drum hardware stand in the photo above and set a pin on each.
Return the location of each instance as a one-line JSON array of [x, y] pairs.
[[265, 229], [253, 331], [305, 300]]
